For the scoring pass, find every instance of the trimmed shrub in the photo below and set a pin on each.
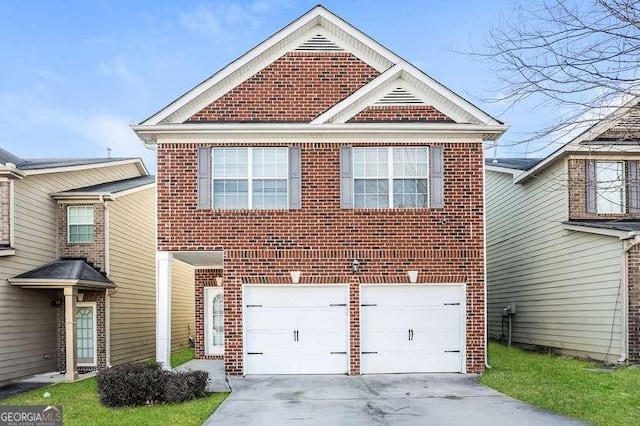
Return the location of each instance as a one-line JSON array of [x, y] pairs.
[[147, 383], [185, 386]]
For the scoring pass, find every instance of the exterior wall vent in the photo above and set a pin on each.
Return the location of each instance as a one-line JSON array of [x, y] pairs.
[[399, 96], [319, 43]]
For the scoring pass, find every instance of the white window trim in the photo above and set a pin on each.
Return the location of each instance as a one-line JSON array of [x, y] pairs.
[[249, 178], [69, 224], [209, 294], [623, 205], [390, 178], [94, 306]]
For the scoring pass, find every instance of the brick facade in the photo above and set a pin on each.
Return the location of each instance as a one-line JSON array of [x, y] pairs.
[[295, 88], [5, 212], [578, 193], [633, 262], [203, 278], [101, 338], [386, 114], [321, 239], [93, 252]]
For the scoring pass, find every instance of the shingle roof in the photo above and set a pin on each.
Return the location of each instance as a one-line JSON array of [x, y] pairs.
[[68, 269], [48, 163], [616, 225], [114, 187], [513, 163]]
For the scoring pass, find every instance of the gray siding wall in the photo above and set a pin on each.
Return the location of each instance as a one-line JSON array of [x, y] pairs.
[[27, 320], [182, 304], [567, 285], [132, 266]]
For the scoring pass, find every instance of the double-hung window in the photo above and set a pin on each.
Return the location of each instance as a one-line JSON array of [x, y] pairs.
[[391, 177], [610, 186], [250, 178], [80, 220]]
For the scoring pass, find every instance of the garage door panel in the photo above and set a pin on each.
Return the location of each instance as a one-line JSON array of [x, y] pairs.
[[402, 362], [296, 330], [305, 363], [409, 296], [411, 328]]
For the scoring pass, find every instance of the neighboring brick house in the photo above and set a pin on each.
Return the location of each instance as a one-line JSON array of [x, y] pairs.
[[77, 266], [562, 243], [330, 196]]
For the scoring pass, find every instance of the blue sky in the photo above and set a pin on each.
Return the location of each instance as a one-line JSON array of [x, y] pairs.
[[74, 74]]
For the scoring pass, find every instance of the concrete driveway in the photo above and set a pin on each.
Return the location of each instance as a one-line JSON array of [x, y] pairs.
[[407, 399]]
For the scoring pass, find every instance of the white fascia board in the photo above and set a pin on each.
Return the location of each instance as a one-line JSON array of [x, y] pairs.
[[512, 172], [623, 235], [387, 78], [287, 132], [317, 13], [106, 196], [138, 162]]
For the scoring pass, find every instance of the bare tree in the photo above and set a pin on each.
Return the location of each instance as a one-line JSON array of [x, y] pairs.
[[583, 56]]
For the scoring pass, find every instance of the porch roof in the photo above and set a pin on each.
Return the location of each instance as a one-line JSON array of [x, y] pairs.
[[614, 225], [64, 273]]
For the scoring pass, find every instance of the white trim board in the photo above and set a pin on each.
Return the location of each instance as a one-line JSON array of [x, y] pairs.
[[331, 133]]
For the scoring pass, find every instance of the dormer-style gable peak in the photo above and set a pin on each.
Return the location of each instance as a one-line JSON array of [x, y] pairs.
[[299, 36], [403, 84]]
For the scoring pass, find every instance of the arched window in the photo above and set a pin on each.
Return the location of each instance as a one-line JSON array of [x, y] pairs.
[[214, 321]]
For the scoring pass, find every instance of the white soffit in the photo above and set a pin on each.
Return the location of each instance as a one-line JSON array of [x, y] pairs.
[[318, 21], [417, 85]]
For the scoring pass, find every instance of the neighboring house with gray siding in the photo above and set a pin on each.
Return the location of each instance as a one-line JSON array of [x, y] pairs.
[[77, 258], [562, 243]]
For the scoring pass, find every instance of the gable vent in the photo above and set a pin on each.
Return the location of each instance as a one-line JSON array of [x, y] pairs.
[[399, 95], [319, 43]]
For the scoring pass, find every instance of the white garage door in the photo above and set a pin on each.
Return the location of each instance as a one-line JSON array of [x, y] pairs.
[[296, 329], [411, 328]]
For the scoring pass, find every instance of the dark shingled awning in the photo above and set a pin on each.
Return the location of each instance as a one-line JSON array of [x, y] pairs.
[[68, 270]]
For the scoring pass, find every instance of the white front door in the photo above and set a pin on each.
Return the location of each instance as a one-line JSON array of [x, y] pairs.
[[214, 321], [293, 329], [412, 328]]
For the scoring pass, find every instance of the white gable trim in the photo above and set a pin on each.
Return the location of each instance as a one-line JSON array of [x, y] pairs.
[[268, 51], [575, 143], [417, 82], [305, 132]]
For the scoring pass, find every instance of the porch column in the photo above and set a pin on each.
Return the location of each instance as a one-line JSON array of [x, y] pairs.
[[163, 308], [70, 296]]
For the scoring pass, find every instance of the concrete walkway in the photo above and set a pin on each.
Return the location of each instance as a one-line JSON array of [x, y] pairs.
[[416, 399], [215, 368]]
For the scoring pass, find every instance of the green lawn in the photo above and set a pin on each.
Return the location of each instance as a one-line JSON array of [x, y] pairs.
[[182, 356], [564, 385], [81, 405]]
